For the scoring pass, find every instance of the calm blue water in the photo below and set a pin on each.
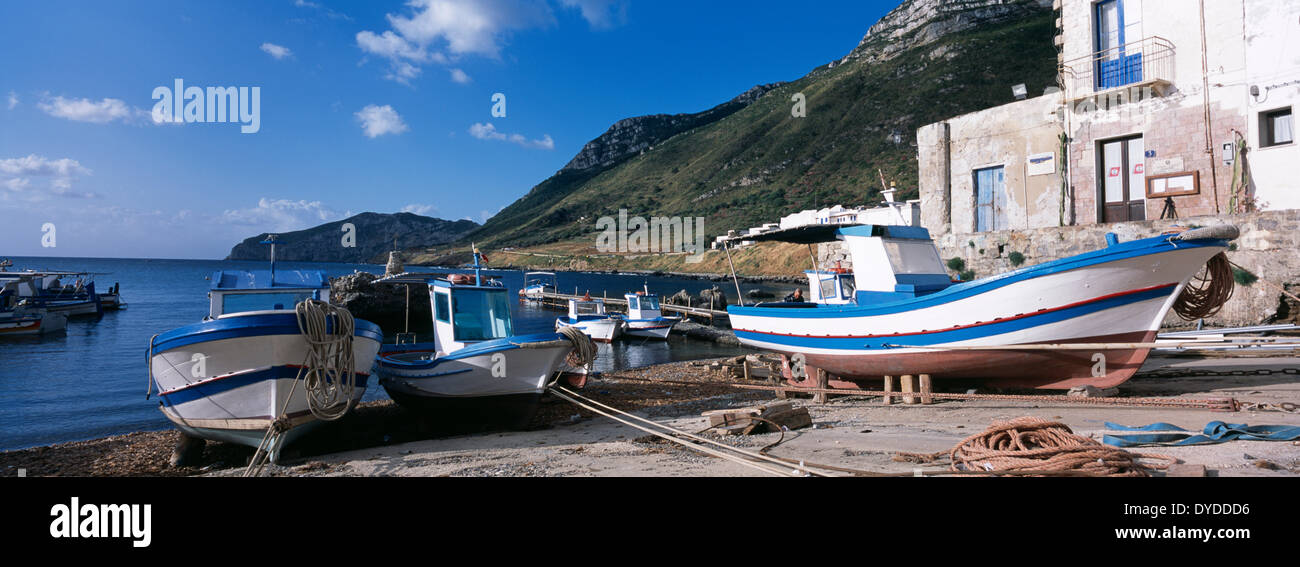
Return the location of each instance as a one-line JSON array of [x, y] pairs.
[[91, 383]]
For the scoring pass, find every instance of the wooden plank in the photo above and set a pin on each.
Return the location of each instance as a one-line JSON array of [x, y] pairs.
[[1186, 470], [889, 388], [823, 381], [926, 390]]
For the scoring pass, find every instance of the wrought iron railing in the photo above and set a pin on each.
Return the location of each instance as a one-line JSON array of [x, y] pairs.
[[1146, 61]]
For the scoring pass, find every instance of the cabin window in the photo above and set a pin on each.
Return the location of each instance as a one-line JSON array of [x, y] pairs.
[[1276, 128], [649, 303], [846, 284], [828, 289], [481, 315], [586, 308], [913, 257], [262, 301], [632, 302], [442, 307]]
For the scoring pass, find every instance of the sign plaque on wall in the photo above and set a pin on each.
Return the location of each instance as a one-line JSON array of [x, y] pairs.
[[1173, 184]]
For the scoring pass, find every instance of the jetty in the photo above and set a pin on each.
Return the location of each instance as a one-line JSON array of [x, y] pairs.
[[701, 313]]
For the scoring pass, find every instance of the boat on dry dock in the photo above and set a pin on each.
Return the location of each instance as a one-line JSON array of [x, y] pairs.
[[476, 370], [270, 361], [1087, 319]]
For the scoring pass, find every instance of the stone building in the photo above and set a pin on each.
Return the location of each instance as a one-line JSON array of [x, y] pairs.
[[1168, 112]]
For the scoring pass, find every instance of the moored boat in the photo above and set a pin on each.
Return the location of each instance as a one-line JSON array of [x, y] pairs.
[[271, 360], [589, 316], [18, 318], [644, 317], [537, 285], [476, 371], [1082, 320]]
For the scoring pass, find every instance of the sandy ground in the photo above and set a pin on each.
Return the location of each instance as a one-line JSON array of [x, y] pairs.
[[850, 432]]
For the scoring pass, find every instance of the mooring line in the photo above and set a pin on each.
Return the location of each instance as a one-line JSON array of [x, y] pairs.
[[798, 470]]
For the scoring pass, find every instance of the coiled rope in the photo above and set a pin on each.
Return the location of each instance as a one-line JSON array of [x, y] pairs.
[[1207, 291], [584, 349], [328, 374], [1032, 444], [330, 377]]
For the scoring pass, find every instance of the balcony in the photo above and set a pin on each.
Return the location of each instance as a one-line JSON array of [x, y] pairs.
[[1145, 63]]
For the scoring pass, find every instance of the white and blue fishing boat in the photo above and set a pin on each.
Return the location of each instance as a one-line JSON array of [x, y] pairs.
[[589, 316], [538, 284], [644, 317], [477, 371], [1088, 319], [20, 318], [67, 293], [271, 357]]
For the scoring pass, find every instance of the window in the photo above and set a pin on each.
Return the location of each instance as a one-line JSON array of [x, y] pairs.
[[649, 304], [481, 315], [1275, 128], [631, 303], [443, 309], [262, 301]]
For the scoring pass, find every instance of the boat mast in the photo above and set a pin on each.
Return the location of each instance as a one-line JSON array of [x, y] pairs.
[[270, 239], [478, 278]]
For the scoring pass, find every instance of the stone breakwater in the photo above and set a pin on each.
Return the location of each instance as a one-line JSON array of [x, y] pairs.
[[1268, 248], [380, 303]]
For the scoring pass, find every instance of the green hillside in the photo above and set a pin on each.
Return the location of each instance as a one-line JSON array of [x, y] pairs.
[[760, 163]]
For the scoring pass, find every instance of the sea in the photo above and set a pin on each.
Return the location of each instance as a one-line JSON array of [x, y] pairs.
[[91, 382]]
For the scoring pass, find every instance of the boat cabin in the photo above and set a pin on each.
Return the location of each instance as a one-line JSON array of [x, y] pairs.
[[543, 282], [467, 313], [586, 308], [832, 287], [237, 291], [642, 305], [890, 262]]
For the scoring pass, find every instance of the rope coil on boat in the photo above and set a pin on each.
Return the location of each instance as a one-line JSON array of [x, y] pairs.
[[1207, 291], [584, 349], [329, 373]]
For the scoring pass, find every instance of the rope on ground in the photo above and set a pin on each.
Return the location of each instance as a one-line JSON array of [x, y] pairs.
[[1032, 445], [746, 458], [1207, 291]]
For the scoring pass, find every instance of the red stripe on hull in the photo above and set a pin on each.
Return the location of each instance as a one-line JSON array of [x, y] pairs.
[[1044, 369]]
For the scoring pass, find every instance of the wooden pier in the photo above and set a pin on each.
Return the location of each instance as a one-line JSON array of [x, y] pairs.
[[704, 313]]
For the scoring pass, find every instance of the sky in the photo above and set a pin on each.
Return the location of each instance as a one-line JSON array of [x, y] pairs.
[[361, 106]]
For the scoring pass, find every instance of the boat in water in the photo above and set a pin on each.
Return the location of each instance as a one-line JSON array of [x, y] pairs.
[[644, 317], [271, 360], [20, 318], [1087, 319], [71, 294], [538, 284], [589, 316], [477, 371]]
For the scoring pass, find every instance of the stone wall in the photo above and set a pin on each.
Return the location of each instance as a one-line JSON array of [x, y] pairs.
[[1267, 248]]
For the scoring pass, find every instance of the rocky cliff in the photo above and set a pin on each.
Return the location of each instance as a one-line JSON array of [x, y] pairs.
[[368, 243]]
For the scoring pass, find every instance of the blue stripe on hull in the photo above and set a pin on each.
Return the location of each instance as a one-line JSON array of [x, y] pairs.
[[964, 334], [218, 386], [247, 326]]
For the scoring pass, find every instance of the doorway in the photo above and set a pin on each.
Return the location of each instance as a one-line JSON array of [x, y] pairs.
[[1122, 180]]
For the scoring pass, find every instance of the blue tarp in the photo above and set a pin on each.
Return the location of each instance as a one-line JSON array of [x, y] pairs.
[[1214, 432]]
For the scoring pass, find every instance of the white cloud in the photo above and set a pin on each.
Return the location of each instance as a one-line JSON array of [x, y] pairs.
[[600, 14], [281, 215], [489, 132], [379, 120], [419, 209], [13, 100], [86, 110], [435, 31], [328, 12], [277, 51], [16, 176], [459, 76]]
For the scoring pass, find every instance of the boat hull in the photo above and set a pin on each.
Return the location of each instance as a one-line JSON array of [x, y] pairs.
[[602, 330], [26, 325], [229, 379], [1116, 299], [495, 382], [649, 328]]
